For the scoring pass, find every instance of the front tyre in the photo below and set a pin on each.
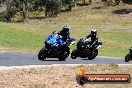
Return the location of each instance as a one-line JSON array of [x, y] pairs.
[[128, 57], [42, 55], [93, 55], [74, 54]]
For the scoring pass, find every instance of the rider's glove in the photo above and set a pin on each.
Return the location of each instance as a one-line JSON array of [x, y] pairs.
[[90, 46]]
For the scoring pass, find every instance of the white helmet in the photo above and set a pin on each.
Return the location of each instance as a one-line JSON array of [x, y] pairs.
[[94, 32]]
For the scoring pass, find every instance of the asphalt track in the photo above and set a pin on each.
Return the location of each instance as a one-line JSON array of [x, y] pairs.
[[22, 59]]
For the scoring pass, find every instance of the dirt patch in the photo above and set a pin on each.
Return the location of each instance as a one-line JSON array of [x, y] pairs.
[[2, 48], [13, 49], [58, 76]]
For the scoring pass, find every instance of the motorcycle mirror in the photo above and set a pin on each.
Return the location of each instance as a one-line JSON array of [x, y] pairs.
[[99, 46]]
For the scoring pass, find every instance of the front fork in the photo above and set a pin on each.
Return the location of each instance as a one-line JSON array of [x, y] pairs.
[[131, 51]]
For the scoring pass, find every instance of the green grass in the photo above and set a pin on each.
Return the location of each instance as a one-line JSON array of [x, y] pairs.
[[28, 37], [116, 43], [18, 38], [91, 17]]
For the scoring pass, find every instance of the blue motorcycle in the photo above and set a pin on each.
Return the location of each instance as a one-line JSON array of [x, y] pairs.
[[55, 47]]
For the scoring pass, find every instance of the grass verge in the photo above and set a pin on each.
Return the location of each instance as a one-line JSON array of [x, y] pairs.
[[59, 76], [30, 38]]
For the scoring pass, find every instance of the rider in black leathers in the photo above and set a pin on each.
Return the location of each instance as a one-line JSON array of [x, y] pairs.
[[130, 50], [65, 34], [94, 39]]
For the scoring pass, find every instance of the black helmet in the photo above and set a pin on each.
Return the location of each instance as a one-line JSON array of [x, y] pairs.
[[66, 28], [94, 32]]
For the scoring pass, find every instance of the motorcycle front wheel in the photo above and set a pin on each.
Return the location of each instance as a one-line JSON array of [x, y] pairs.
[[128, 57], [93, 55], [42, 55], [74, 54]]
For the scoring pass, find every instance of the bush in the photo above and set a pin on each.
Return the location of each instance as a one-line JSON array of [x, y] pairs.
[[53, 8], [23, 7], [127, 1]]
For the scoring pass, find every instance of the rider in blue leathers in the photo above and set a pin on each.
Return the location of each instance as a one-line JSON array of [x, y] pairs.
[[65, 34]]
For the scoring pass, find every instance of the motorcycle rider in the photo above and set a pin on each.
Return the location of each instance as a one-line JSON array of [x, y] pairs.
[[94, 39], [130, 50], [65, 34]]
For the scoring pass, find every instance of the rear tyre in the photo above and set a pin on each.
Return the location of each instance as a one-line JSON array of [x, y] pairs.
[[74, 54], [128, 57], [42, 55]]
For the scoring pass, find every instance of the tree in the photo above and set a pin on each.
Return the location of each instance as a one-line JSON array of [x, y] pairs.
[[84, 1], [10, 10], [117, 2], [22, 7], [127, 1], [111, 2], [90, 1], [16, 6], [52, 8]]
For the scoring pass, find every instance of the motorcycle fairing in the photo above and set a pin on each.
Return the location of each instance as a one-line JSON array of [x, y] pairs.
[[55, 39]]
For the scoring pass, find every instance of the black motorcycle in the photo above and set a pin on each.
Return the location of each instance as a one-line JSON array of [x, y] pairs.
[[129, 56], [84, 49], [55, 47]]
